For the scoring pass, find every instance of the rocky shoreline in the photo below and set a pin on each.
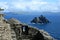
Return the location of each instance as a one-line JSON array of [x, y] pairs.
[[28, 32], [15, 30]]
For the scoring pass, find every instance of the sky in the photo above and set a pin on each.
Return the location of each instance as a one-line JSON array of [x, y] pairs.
[[30, 5]]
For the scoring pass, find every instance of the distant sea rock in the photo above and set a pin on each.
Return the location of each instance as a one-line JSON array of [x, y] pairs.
[[41, 19]]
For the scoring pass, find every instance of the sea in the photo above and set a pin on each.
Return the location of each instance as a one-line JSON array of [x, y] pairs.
[[53, 28]]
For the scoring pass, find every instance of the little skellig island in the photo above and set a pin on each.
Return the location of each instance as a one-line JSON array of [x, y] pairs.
[[40, 20]]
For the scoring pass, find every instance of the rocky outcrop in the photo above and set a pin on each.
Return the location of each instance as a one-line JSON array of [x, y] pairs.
[[47, 35], [5, 30], [26, 32], [43, 34], [40, 19]]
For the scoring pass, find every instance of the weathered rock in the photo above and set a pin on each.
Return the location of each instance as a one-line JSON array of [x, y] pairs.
[[40, 19], [46, 35], [5, 31]]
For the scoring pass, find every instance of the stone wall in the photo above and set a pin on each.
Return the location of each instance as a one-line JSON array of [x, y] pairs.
[[5, 32]]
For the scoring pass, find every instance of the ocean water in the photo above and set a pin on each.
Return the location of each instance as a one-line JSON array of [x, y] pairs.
[[52, 28]]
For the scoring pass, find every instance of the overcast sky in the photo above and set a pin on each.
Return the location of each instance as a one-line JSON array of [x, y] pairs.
[[30, 5]]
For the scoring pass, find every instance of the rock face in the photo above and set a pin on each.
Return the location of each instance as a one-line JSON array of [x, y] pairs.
[[26, 32], [5, 31], [40, 19], [13, 29]]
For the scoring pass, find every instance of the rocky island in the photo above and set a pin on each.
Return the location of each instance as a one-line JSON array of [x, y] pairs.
[[41, 20]]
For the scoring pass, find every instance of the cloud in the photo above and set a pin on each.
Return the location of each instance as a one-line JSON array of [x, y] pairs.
[[35, 6], [30, 5]]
